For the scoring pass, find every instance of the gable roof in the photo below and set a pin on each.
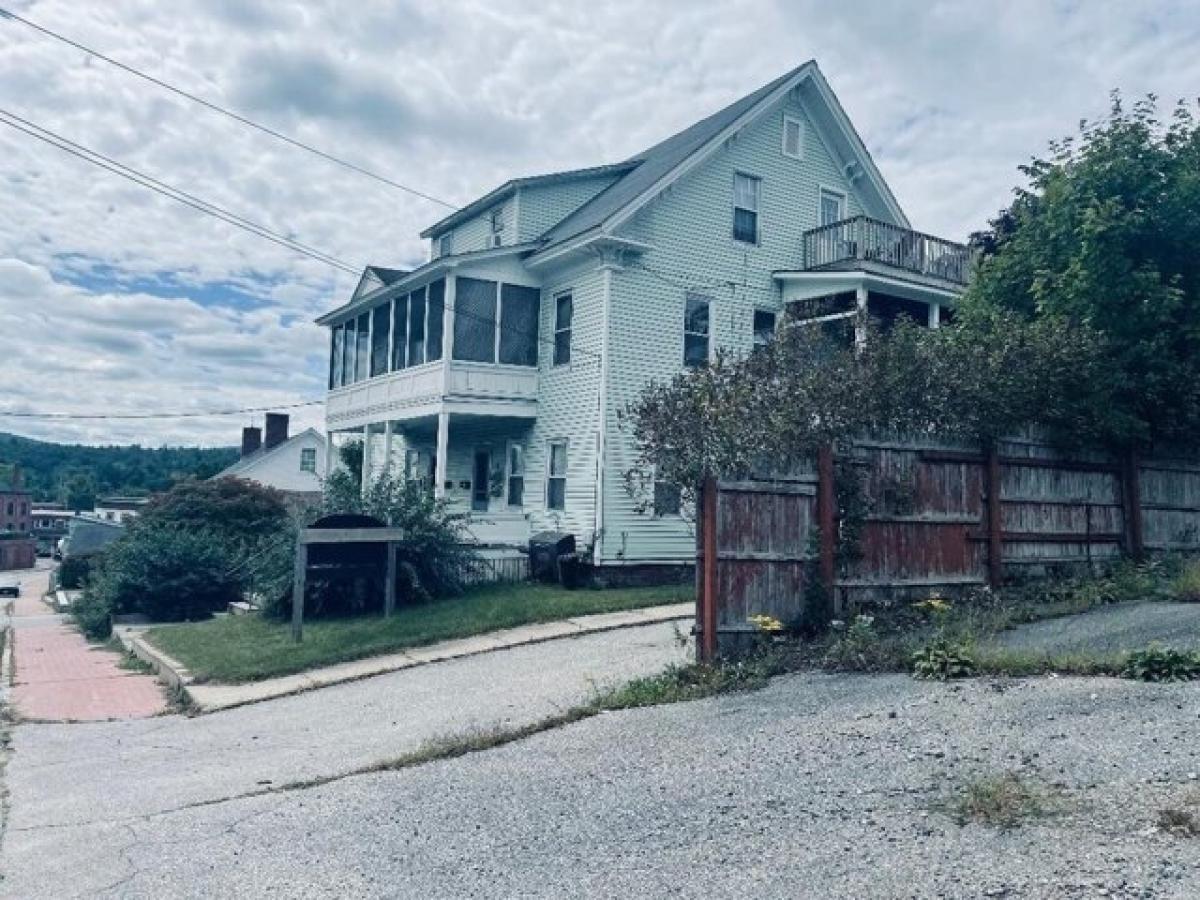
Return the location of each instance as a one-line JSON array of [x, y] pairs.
[[509, 188], [659, 165], [250, 460]]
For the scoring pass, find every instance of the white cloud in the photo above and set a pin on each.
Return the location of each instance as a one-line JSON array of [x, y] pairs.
[[122, 301]]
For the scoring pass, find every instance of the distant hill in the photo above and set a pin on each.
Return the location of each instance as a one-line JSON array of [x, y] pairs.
[[75, 473]]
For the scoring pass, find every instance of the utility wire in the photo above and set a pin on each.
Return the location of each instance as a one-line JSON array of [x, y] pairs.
[[159, 415], [237, 117], [174, 193]]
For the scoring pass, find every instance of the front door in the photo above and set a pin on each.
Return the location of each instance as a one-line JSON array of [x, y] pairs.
[[480, 482]]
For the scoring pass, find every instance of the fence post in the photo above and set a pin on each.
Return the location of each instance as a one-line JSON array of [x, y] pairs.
[[707, 597], [827, 525], [995, 529], [299, 584], [1132, 483]]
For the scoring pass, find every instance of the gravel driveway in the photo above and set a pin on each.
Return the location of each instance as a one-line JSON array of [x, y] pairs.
[[1111, 629], [821, 786]]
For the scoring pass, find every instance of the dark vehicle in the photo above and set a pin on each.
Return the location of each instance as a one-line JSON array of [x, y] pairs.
[[10, 590]]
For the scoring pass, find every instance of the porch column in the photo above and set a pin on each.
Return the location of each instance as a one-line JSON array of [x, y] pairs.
[[366, 458], [329, 453], [443, 448], [935, 315], [387, 448], [860, 318]]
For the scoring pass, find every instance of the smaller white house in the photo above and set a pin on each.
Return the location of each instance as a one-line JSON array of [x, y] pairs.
[[294, 465]]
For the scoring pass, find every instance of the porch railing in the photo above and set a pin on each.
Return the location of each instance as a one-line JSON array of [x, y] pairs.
[[862, 239]]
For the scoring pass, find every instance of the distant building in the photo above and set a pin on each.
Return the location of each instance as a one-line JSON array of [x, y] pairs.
[[294, 465], [17, 545], [89, 535], [50, 525], [118, 509]]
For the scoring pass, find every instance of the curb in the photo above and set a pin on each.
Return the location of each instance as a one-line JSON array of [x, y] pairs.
[[6, 663], [168, 669], [176, 676]]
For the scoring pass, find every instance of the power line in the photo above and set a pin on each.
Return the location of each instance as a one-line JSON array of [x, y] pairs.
[[174, 193], [237, 117], [194, 414]]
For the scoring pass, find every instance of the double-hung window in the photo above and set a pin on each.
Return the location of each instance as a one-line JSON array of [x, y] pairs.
[[556, 476], [446, 244], [833, 206], [308, 459], [516, 475], [764, 327], [695, 330], [746, 191], [496, 220], [563, 312]]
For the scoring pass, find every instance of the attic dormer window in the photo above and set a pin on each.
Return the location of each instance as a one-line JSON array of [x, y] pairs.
[[497, 222]]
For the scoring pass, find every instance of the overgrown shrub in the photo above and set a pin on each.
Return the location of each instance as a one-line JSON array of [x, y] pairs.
[[858, 646], [434, 560], [93, 615], [73, 572], [942, 660], [1186, 585], [167, 574], [1162, 664]]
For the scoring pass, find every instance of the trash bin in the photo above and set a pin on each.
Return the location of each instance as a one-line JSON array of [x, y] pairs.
[[545, 549]]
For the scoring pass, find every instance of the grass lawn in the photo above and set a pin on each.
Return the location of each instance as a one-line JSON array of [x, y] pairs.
[[249, 648]]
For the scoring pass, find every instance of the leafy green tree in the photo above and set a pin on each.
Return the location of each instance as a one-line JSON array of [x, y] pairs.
[[78, 490], [1106, 235]]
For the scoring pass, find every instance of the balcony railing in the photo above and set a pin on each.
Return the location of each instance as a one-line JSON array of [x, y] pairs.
[[840, 245]]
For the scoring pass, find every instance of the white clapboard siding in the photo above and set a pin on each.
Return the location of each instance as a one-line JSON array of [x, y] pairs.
[[691, 229]]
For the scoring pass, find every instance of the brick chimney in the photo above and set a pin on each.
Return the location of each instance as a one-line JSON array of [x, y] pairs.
[[277, 430], [251, 439]]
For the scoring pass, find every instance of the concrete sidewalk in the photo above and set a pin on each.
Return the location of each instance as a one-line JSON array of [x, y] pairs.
[[212, 697], [60, 677]]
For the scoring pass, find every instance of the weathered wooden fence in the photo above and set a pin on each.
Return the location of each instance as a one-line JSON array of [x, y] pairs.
[[919, 517]]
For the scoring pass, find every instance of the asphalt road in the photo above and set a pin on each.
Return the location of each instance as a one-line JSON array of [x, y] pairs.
[[77, 793], [820, 786], [1111, 629]]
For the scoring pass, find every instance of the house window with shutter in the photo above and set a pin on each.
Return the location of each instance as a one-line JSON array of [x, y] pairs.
[[746, 190], [695, 330], [556, 476]]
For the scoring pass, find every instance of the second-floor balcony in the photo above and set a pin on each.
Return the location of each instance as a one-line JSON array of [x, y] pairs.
[[861, 242]]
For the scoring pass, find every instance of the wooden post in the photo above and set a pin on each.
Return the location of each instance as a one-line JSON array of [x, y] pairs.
[[1132, 483], [298, 586], [389, 589], [995, 530], [827, 525], [708, 592]]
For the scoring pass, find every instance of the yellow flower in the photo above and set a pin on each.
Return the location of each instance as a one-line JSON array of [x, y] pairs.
[[766, 623], [934, 603]]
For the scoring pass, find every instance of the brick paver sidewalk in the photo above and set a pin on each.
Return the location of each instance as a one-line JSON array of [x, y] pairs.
[[59, 676]]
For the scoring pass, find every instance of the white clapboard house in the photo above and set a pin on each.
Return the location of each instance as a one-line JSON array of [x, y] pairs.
[[498, 370]]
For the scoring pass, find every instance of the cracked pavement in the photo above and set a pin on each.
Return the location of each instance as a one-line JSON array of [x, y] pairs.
[[92, 806], [819, 786]]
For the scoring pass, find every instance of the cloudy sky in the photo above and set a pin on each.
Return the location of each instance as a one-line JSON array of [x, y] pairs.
[[113, 299]]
